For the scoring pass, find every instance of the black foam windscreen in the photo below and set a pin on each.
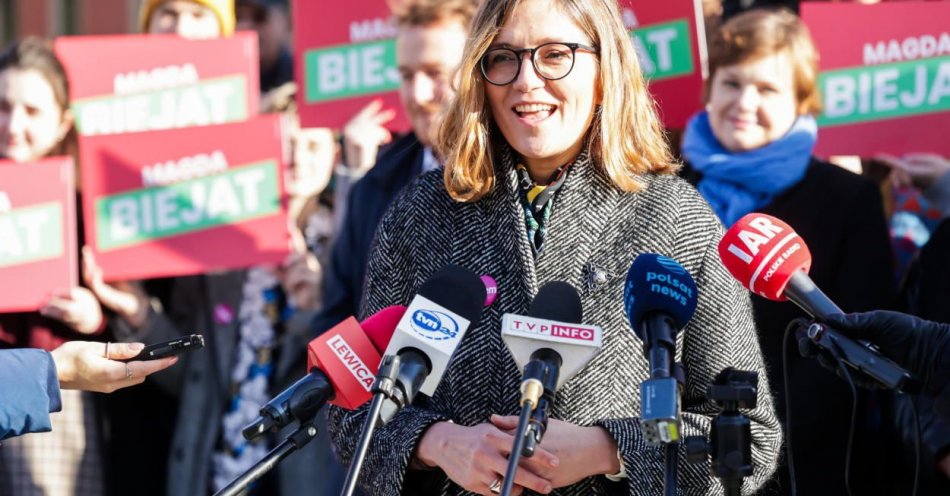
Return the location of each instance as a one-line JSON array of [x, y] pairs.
[[558, 301], [456, 289]]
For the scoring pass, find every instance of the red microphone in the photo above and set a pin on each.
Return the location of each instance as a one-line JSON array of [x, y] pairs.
[[764, 253], [770, 259], [350, 353], [342, 364]]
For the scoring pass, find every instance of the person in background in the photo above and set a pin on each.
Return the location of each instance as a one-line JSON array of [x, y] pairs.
[[35, 122], [918, 187], [429, 42], [271, 20], [192, 19], [146, 415], [256, 325], [926, 293], [31, 379], [751, 150]]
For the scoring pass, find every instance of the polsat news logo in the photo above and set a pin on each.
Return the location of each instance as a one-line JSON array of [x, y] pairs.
[[553, 329], [434, 325]]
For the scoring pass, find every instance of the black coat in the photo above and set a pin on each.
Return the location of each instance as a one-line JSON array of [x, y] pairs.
[[366, 204], [840, 215], [927, 295]]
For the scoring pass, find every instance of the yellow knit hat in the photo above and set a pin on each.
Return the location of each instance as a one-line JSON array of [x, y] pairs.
[[224, 9]]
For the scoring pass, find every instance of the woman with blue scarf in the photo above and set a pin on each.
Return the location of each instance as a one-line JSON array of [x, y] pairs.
[[751, 150]]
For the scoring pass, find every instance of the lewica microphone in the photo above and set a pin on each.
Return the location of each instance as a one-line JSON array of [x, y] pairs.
[[342, 364], [660, 298], [770, 259], [444, 307]]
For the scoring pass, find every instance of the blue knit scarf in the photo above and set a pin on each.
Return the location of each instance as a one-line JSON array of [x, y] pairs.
[[736, 183]]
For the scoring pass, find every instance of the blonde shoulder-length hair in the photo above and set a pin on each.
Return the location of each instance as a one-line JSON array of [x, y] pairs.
[[626, 139]]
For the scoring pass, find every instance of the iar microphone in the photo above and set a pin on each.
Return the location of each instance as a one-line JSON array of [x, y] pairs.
[[770, 259], [660, 298], [342, 364]]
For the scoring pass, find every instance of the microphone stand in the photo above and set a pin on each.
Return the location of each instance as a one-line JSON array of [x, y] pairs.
[[296, 440], [382, 389], [302, 403], [532, 388], [660, 355], [730, 444]]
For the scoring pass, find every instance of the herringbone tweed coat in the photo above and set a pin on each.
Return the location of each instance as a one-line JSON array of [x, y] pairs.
[[595, 230]]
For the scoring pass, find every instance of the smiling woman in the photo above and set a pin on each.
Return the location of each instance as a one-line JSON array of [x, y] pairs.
[[751, 150], [556, 170]]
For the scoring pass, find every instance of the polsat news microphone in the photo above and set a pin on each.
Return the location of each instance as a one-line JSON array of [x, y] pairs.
[[771, 260]]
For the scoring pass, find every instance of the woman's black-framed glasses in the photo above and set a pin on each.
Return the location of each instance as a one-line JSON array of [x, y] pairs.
[[552, 61]]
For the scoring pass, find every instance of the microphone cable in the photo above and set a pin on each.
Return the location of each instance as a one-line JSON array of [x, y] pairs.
[[788, 404], [917, 448], [835, 352]]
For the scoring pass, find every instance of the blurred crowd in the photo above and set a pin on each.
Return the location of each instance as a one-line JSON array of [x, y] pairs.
[[877, 233]]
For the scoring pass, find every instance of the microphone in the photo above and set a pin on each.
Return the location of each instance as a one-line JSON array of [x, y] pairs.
[[432, 327], [551, 346], [660, 297], [770, 259], [342, 364], [416, 358]]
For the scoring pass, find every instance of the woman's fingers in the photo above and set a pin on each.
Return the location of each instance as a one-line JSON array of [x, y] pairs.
[[146, 368], [524, 476], [122, 351]]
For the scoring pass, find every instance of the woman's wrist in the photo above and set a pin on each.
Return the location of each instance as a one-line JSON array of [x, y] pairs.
[[605, 452], [430, 445]]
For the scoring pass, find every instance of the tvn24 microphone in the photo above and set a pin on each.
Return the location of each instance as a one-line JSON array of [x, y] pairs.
[[770, 259], [660, 298], [444, 307], [342, 364]]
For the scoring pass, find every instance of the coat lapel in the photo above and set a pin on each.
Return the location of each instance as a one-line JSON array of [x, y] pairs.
[[581, 214]]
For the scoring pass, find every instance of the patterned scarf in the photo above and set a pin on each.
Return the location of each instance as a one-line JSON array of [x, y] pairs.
[[536, 200], [261, 317], [736, 183]]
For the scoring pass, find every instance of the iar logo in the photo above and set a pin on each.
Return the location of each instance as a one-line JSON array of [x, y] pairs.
[[433, 325]]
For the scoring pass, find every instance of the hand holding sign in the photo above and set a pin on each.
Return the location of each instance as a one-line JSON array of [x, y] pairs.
[[920, 170], [78, 308], [127, 298], [300, 276]]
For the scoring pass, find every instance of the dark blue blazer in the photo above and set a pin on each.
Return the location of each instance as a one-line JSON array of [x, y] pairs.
[[368, 200]]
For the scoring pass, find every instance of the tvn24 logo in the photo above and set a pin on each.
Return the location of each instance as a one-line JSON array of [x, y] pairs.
[[434, 325]]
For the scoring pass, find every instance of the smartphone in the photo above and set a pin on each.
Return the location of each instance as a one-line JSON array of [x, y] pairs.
[[169, 348]]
